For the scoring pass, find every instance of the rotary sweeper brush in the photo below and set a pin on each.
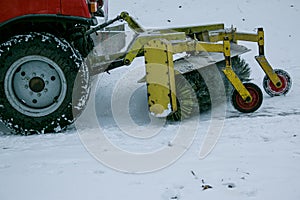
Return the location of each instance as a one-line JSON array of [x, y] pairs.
[[48, 54]]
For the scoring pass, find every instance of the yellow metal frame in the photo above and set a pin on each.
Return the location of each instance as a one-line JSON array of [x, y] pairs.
[[160, 70], [259, 39], [138, 46], [158, 47], [160, 77], [209, 44]]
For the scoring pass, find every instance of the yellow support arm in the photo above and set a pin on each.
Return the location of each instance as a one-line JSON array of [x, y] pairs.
[[196, 46], [231, 75], [193, 29], [132, 23], [160, 77], [259, 39]]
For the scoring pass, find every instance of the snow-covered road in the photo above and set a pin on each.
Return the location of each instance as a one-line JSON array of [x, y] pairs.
[[256, 157]]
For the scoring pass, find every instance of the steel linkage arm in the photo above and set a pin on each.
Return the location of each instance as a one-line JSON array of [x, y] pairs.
[[234, 36], [132, 23]]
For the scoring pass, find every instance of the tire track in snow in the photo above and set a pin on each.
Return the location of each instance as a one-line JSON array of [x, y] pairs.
[[234, 114]]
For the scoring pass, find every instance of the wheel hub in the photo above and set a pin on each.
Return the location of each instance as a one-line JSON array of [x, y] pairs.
[[253, 104], [279, 87], [36, 84], [277, 90]]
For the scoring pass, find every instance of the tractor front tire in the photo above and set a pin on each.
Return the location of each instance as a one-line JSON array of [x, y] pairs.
[[38, 74]]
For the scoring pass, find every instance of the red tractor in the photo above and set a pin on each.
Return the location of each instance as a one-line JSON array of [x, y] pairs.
[[42, 49], [46, 59]]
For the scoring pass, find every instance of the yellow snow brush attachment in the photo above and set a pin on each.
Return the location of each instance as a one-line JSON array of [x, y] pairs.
[[160, 77]]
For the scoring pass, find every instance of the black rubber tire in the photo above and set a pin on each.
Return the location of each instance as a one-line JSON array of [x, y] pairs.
[[270, 88], [69, 64], [248, 107]]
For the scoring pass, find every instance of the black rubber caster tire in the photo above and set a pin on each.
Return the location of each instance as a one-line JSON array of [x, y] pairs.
[[272, 90], [248, 107]]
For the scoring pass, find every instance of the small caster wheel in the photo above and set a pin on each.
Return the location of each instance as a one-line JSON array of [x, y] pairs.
[[272, 90], [244, 106]]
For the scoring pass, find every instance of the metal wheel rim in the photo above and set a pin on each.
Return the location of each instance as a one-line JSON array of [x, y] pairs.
[[248, 106], [254, 104], [272, 90], [35, 86]]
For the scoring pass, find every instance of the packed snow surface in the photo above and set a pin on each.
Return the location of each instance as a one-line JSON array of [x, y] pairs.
[[255, 156]]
